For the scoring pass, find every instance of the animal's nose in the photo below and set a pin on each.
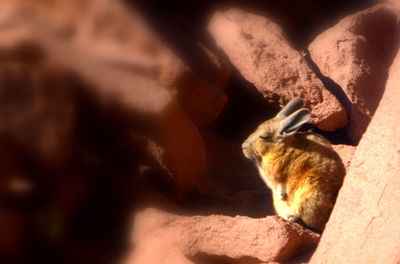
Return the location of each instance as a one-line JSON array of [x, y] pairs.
[[246, 149], [245, 145]]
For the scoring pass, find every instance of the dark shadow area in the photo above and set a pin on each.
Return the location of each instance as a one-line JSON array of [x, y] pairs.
[[245, 110], [79, 210], [232, 185], [302, 258], [214, 259], [180, 25]]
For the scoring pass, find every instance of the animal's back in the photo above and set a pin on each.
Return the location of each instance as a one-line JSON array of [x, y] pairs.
[[312, 184]]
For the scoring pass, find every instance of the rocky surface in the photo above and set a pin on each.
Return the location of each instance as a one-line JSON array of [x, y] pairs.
[[346, 153], [157, 252], [241, 239], [108, 108], [265, 57], [361, 225], [356, 54]]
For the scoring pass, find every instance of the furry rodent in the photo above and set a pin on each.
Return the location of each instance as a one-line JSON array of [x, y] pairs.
[[301, 168]]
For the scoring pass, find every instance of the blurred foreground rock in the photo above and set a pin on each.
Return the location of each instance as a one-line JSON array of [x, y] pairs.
[[83, 115], [119, 35], [363, 224], [265, 57], [356, 54], [235, 239], [12, 228], [53, 54]]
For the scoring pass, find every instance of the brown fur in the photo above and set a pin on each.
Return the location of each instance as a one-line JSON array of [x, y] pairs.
[[302, 170]]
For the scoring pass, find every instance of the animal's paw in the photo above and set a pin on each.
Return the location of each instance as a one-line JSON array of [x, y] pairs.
[[293, 218]]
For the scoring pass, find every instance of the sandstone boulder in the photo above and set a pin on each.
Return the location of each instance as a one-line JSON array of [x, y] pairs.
[[239, 238], [356, 54], [363, 225], [262, 53], [346, 153]]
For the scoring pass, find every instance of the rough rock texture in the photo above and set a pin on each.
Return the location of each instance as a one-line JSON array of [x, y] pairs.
[[363, 224], [264, 56], [346, 153], [356, 54], [237, 238], [156, 252]]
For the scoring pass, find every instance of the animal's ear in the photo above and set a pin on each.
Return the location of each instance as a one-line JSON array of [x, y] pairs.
[[292, 106], [291, 124]]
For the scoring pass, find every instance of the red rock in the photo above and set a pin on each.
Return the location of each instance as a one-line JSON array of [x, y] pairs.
[[203, 102], [50, 85], [356, 54], [363, 225], [185, 154], [99, 28], [182, 149], [224, 70], [346, 153], [262, 53], [237, 238], [156, 252], [395, 4]]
